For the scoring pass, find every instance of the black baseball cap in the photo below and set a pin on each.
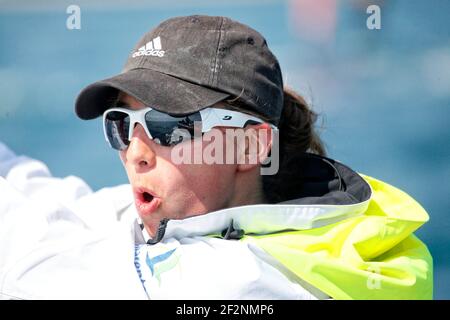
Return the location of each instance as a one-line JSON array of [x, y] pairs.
[[189, 63]]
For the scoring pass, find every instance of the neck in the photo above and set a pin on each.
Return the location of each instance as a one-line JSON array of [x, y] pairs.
[[248, 189]]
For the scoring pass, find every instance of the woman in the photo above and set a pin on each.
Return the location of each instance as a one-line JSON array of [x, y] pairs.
[[214, 216]]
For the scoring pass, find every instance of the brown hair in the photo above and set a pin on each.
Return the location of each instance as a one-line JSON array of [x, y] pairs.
[[297, 134]]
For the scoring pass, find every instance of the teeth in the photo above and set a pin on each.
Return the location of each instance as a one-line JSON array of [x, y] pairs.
[[147, 197]]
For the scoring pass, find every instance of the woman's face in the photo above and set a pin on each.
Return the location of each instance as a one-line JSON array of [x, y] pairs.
[[178, 190]]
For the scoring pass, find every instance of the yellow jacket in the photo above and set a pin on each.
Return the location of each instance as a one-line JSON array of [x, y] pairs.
[[373, 255]]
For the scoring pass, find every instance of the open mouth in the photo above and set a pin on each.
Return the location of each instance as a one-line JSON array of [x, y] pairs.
[[146, 203], [147, 197]]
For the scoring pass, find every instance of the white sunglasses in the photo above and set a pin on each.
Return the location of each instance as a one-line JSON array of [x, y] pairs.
[[165, 129]]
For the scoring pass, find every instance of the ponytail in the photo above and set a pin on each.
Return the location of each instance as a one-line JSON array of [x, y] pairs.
[[297, 132]]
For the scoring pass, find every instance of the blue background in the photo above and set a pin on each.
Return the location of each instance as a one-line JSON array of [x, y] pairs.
[[384, 95]]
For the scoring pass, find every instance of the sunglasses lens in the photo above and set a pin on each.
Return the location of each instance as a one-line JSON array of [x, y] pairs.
[[171, 130], [117, 124]]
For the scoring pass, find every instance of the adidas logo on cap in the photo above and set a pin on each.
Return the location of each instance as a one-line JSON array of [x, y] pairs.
[[152, 48]]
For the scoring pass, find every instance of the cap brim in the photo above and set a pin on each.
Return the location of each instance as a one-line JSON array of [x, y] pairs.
[[154, 89]]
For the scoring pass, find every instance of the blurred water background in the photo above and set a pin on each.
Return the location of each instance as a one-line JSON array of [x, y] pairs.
[[384, 94]]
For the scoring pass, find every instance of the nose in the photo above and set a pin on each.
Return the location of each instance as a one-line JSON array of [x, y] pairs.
[[140, 152]]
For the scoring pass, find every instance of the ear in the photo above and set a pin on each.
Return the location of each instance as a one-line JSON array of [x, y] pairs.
[[258, 142]]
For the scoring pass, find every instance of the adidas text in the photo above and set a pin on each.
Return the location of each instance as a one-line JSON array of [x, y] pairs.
[[156, 53]]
